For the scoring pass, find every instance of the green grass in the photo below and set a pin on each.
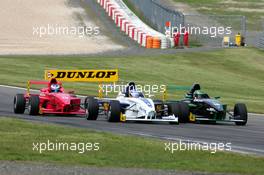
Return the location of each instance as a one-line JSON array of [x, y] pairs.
[[252, 9], [115, 150], [234, 74]]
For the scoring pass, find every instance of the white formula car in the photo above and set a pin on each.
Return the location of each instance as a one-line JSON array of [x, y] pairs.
[[131, 105]]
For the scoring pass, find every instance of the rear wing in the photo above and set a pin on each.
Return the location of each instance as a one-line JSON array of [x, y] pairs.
[[37, 82]]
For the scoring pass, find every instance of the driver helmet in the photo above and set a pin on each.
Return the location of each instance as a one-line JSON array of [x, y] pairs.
[[136, 94], [199, 94], [55, 88]]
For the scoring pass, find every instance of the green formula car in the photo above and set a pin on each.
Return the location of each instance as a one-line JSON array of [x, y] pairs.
[[204, 108]]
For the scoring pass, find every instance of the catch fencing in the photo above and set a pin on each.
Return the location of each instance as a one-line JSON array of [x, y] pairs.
[[261, 40], [157, 14], [211, 29]]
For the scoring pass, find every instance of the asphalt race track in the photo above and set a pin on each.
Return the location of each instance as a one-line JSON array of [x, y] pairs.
[[246, 139]]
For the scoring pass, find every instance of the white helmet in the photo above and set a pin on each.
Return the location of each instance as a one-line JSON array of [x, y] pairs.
[[55, 87], [136, 94]]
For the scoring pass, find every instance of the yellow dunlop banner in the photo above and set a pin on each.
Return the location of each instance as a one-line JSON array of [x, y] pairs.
[[83, 75]]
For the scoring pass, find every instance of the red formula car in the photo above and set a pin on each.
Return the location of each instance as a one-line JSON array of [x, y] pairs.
[[51, 100]]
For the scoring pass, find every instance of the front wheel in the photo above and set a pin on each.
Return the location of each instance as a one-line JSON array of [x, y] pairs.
[[19, 104], [240, 113], [114, 112]]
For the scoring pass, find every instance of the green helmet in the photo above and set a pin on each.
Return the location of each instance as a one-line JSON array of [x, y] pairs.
[[200, 94]]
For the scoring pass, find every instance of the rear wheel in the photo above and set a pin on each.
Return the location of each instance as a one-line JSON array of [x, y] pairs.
[[33, 106], [19, 104], [92, 108], [114, 112], [240, 113], [180, 110], [185, 112], [174, 109]]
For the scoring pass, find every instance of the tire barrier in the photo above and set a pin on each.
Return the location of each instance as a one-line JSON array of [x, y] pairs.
[[149, 42], [133, 27], [156, 43]]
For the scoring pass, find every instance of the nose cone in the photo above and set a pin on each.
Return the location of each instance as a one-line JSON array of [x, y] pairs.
[[65, 98], [148, 102], [215, 104]]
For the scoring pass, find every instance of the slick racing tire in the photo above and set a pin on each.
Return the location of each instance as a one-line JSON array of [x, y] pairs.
[[174, 108], [33, 106], [185, 112], [181, 110], [19, 104], [240, 113], [92, 108], [114, 112]]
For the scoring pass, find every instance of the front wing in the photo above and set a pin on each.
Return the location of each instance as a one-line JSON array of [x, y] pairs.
[[194, 118], [170, 118]]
